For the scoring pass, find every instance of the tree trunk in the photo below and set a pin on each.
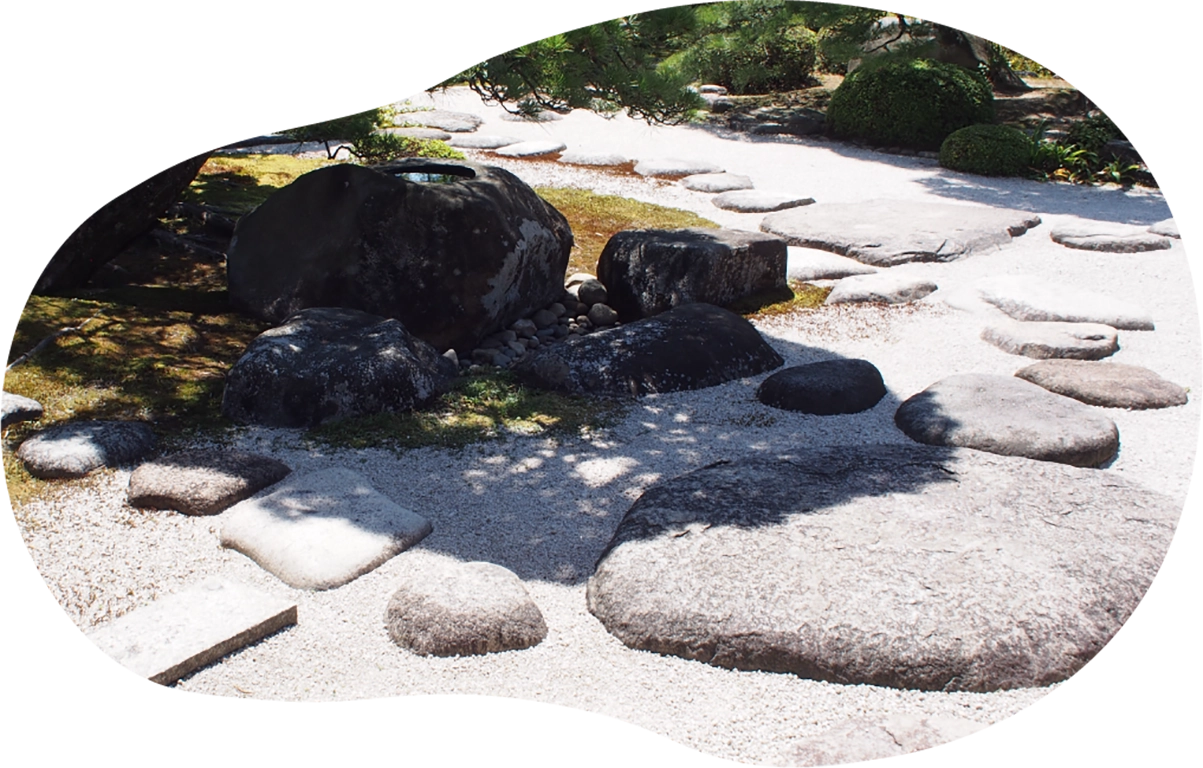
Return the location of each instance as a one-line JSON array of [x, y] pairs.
[[970, 51], [107, 232]]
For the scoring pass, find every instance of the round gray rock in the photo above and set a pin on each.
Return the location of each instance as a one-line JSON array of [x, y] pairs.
[[481, 141], [458, 609], [532, 149], [755, 201], [1105, 236], [826, 388], [1110, 385], [1008, 416], [716, 182], [592, 291], [671, 167], [17, 408], [1046, 340], [880, 288], [77, 448], [202, 482], [903, 565]]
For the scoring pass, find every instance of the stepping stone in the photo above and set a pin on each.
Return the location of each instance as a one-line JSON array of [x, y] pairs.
[[532, 149], [1030, 300], [906, 566], [880, 288], [321, 530], [716, 182], [1008, 416], [1178, 228], [546, 116], [824, 389], [453, 122], [77, 448], [862, 739], [17, 408], [1045, 340], [482, 141], [888, 232], [808, 264], [180, 633], [669, 167], [755, 201], [1105, 236], [449, 608], [717, 90], [594, 158], [202, 482], [425, 134], [1109, 385]]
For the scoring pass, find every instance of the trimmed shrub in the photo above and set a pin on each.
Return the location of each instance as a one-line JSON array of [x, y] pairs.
[[913, 103], [781, 60], [988, 150]]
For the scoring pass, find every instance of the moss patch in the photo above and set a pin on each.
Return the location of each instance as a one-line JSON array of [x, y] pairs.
[[239, 184], [799, 295]]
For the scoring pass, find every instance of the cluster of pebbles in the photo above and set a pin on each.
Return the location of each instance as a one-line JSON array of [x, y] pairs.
[[580, 311]]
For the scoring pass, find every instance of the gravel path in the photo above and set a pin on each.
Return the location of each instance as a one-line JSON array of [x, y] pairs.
[[545, 508]]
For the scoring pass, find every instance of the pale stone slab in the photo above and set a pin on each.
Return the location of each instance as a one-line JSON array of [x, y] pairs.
[[1045, 340], [76, 448], [322, 530], [716, 182], [481, 141], [882, 288], [1108, 237], [1166, 228], [810, 264], [18, 408], [425, 134], [1110, 385], [756, 201], [180, 633], [532, 149], [580, 157], [674, 167], [1032, 300]]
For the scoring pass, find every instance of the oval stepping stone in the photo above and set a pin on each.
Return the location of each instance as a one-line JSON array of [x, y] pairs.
[[755, 201], [454, 122], [1008, 416], [717, 90], [671, 167], [17, 408], [321, 530], [1112, 238], [809, 264], [77, 448], [881, 288], [1175, 229], [1030, 300], [546, 116], [824, 389], [888, 232], [594, 158], [532, 149], [716, 182], [202, 482], [426, 134], [458, 609], [482, 141], [1045, 340], [903, 565], [1110, 385]]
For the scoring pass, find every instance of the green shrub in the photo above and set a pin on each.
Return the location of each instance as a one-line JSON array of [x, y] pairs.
[[988, 150], [1092, 133], [913, 103], [347, 128], [749, 61], [383, 147]]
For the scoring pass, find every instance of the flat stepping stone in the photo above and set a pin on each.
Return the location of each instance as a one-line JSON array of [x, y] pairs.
[[425, 134], [755, 201], [532, 149], [1008, 416], [880, 288], [1109, 385], [602, 159], [77, 448], [18, 408], [671, 167], [861, 739], [1048, 340], [181, 633], [202, 482], [481, 141], [1178, 229], [449, 608], [906, 566], [1105, 236], [1030, 300], [716, 182], [546, 116], [452, 122], [321, 530], [808, 264], [888, 232], [825, 388]]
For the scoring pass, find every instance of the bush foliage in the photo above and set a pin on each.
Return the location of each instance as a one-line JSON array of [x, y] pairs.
[[987, 150]]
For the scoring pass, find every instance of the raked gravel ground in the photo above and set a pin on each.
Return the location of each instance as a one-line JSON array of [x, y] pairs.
[[545, 508]]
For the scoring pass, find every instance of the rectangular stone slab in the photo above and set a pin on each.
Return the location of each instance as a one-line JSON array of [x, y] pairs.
[[181, 633]]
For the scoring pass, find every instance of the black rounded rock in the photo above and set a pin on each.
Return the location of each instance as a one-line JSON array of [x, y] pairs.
[[824, 389]]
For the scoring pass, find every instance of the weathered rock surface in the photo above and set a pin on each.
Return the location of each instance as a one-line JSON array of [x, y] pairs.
[[1109, 237], [531, 148], [670, 167], [1166, 228], [825, 388], [862, 739], [880, 288], [716, 182], [1030, 300], [17, 408], [583, 157], [76, 448], [1110, 385], [903, 565], [1045, 340], [202, 482], [755, 201], [426, 134], [810, 264], [454, 122], [481, 141]]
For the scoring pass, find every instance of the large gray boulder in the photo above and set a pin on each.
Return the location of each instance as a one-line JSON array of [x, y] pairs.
[[1109, 385], [690, 347], [202, 482], [326, 364], [454, 259], [649, 271], [76, 448], [902, 565]]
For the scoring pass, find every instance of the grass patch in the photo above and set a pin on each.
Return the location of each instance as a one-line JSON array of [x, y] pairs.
[[798, 295], [239, 184]]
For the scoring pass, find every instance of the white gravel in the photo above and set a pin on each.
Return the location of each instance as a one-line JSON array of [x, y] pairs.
[[545, 508]]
